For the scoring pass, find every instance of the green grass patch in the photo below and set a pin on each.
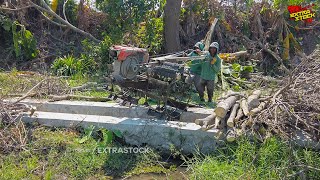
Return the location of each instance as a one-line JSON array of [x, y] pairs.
[[77, 80], [93, 93], [53, 153], [272, 159], [16, 82]]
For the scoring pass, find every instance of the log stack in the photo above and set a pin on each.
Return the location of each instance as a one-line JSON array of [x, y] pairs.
[[233, 114], [288, 112]]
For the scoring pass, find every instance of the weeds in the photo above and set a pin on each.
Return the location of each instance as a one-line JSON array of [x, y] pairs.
[[69, 66], [52, 153], [272, 159]]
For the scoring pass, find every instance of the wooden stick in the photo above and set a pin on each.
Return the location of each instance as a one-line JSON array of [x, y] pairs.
[[244, 107], [258, 109], [207, 121], [84, 86], [30, 91], [239, 115], [230, 121], [205, 128], [231, 93], [218, 122]]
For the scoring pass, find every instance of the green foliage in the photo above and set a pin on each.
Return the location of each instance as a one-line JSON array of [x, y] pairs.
[[151, 34], [236, 75], [104, 137], [23, 43], [272, 159], [71, 11], [135, 21], [98, 53], [107, 137], [199, 8], [240, 71], [69, 66], [87, 134], [284, 3], [56, 153], [127, 15], [12, 82]]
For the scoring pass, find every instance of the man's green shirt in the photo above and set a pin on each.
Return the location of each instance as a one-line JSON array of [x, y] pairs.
[[208, 70], [195, 66]]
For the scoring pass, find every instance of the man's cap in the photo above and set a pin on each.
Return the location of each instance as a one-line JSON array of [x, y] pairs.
[[199, 45], [215, 45]]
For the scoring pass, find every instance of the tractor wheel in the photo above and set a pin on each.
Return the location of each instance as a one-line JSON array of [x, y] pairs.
[[130, 67]]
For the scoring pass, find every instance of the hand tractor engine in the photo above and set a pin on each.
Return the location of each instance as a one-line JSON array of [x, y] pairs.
[[162, 79]]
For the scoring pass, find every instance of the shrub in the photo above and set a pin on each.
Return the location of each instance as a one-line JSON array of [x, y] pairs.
[[69, 66], [98, 53], [21, 40]]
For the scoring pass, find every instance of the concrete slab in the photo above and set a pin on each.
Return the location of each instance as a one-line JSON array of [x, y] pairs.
[[109, 109], [159, 134]]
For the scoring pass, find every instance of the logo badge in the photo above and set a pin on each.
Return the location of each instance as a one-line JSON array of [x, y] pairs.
[[299, 13]]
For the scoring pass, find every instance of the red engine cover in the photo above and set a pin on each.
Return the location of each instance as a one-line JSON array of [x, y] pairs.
[[124, 51]]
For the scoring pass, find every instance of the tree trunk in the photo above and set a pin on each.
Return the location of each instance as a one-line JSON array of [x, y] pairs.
[[171, 25], [191, 25], [224, 106], [230, 121], [206, 121], [231, 135], [239, 115], [244, 106], [80, 14], [207, 39]]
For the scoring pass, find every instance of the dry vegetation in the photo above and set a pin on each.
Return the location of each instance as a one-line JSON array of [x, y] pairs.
[[292, 109]]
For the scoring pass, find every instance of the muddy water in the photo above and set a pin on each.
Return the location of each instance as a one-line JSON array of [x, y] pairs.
[[179, 174]]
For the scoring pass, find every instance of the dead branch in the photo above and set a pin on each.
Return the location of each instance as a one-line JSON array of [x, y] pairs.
[[48, 10], [30, 91]]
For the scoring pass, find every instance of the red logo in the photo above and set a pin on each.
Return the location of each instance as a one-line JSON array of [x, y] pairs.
[[299, 13]]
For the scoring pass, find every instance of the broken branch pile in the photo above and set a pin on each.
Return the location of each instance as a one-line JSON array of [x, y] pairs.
[[294, 108], [13, 134], [230, 114]]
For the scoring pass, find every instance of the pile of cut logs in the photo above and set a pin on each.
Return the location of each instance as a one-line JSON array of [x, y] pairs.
[[233, 114]]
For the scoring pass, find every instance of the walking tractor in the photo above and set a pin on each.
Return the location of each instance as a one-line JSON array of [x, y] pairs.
[[164, 78]]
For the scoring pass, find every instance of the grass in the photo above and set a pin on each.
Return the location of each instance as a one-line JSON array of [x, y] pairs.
[[272, 159], [93, 93], [17, 82], [53, 153]]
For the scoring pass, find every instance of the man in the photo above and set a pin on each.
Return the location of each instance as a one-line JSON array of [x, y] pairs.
[[195, 66], [210, 67]]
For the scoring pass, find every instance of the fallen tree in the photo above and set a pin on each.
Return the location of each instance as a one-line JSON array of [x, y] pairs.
[[46, 11]]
